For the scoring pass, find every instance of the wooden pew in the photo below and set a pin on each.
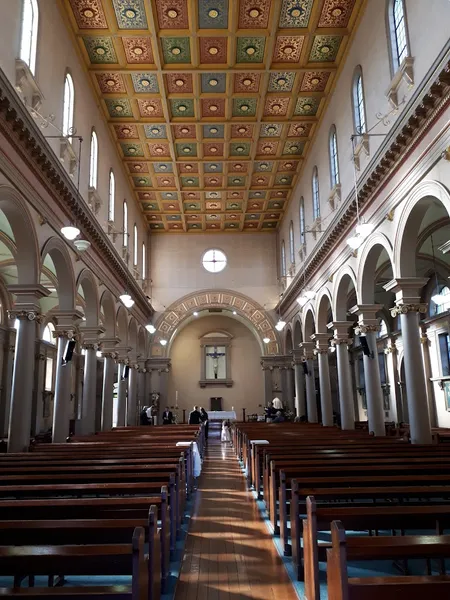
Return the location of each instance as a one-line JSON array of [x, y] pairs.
[[93, 559], [134, 508], [341, 587], [355, 518]]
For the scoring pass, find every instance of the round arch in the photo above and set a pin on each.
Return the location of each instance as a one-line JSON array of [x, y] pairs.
[[367, 266], [345, 280], [239, 306], [108, 307], [27, 247], [122, 326], [88, 283], [288, 341], [297, 328], [142, 343], [309, 324], [57, 250], [411, 217], [324, 305], [133, 335]]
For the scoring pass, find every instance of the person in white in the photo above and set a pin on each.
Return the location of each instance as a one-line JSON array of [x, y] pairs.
[[225, 436], [277, 404]]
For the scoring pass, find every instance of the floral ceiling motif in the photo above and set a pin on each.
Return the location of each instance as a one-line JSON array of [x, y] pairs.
[[213, 103]]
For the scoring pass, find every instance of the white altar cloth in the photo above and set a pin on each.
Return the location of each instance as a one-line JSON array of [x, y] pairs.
[[196, 455], [221, 415]]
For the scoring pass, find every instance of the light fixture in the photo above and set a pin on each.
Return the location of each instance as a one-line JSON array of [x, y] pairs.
[[126, 300], [280, 325], [234, 312], [309, 294], [150, 328], [266, 340], [438, 298], [363, 230], [70, 232], [82, 245], [355, 241], [163, 342], [195, 314], [302, 300]]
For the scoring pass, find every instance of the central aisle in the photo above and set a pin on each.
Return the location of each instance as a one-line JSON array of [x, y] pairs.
[[229, 552]]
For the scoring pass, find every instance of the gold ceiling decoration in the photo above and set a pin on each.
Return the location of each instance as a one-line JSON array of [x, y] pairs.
[[213, 103]]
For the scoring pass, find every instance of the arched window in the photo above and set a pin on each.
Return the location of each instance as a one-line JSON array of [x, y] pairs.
[[69, 100], [302, 221], [383, 329], [135, 245], [398, 32], [334, 163], [291, 243], [93, 164], [144, 261], [28, 36], [125, 224], [283, 260], [359, 111], [111, 196], [47, 334], [315, 194]]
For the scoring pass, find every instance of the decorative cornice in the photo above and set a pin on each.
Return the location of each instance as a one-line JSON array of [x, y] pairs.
[[404, 309], [25, 136], [399, 143]]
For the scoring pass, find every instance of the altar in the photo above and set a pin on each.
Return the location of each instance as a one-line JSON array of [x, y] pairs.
[[221, 415]]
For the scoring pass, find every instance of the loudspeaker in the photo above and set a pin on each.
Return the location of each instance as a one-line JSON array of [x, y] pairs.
[[305, 367], [126, 372], [365, 346], [68, 352]]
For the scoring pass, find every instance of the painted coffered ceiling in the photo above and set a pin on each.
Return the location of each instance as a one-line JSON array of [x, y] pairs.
[[213, 103]]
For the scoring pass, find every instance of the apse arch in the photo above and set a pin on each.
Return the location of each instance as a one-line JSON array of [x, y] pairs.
[[237, 306]]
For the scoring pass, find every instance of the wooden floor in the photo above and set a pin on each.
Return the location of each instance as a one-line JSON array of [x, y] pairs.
[[229, 552]]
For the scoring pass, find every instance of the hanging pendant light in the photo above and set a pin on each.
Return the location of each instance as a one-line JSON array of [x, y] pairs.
[[70, 232], [363, 230], [150, 328], [438, 298]]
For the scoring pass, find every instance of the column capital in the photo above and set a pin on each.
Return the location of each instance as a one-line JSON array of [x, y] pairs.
[[68, 319], [109, 354], [162, 365], [91, 335], [318, 351], [340, 328], [26, 315], [337, 341], [366, 312], [363, 328], [297, 357], [28, 296], [308, 350], [406, 289], [404, 309], [322, 342], [90, 346], [70, 334]]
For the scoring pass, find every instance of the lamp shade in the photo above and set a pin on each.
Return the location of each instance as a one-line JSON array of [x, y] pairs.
[[280, 325], [150, 328], [70, 232], [355, 241]]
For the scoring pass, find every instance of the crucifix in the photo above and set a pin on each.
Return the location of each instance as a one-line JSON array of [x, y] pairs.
[[215, 356]]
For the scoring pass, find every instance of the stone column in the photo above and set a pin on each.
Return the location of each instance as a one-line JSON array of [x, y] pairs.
[[89, 388], [300, 406], [408, 306], [7, 390], [346, 401], [121, 393], [109, 367], [428, 374], [26, 311], [321, 351], [284, 386], [267, 383], [159, 368], [368, 327], [63, 378], [39, 392], [310, 381], [290, 387], [132, 394], [393, 381]]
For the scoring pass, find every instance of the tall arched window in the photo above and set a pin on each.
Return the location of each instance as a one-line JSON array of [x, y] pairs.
[[135, 245], [28, 36], [93, 164], [359, 110], [315, 194], [302, 221], [334, 163], [398, 32], [291, 243], [144, 261], [47, 334], [69, 100], [283, 260], [125, 224], [111, 196]]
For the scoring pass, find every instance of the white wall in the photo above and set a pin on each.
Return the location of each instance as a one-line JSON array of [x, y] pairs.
[[177, 270], [248, 389], [56, 53]]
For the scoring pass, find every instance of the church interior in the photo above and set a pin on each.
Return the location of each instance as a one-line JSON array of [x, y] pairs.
[[241, 206]]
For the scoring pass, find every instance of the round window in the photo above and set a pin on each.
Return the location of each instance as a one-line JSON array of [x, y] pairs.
[[214, 261]]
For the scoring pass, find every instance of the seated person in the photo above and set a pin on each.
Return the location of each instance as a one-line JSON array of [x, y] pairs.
[[279, 417]]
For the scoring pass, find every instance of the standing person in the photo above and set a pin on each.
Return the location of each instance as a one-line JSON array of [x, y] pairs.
[[143, 420], [167, 417], [204, 418], [225, 436], [195, 416]]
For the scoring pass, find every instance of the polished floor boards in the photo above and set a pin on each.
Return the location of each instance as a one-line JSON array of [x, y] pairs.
[[229, 553]]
